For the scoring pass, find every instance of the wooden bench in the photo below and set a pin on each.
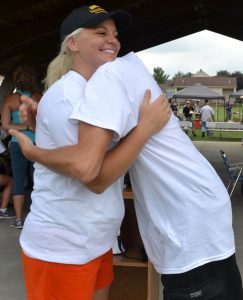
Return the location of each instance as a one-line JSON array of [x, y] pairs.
[[222, 127]]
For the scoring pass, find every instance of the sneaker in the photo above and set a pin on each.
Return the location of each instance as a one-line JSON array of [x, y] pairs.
[[18, 224], [5, 215]]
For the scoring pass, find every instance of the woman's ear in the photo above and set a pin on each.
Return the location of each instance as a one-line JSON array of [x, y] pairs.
[[72, 44]]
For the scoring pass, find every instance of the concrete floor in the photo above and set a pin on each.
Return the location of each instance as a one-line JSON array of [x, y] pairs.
[[234, 151], [11, 279]]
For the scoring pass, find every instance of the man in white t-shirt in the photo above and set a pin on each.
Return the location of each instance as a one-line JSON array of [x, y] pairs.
[[182, 206], [206, 115]]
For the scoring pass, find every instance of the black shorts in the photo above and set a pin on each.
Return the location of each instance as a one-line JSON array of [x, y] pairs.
[[219, 280]]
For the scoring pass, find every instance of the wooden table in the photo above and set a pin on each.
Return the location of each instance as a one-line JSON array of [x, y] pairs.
[[134, 279]]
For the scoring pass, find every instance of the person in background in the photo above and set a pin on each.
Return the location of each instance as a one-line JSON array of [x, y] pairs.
[[25, 82], [188, 111], [228, 110], [69, 232], [173, 106], [6, 184], [206, 115]]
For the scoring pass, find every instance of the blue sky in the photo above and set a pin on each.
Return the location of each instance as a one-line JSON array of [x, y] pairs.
[[203, 50]]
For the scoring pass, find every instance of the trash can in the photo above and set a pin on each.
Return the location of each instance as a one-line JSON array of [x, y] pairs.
[[197, 123]]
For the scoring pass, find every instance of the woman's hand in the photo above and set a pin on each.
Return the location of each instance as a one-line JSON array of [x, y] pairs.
[[153, 115], [27, 111]]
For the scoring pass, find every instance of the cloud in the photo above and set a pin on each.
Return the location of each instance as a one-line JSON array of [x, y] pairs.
[[205, 50]]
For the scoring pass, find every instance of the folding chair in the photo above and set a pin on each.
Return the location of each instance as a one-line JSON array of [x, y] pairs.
[[235, 172]]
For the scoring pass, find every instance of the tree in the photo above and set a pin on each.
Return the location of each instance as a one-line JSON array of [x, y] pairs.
[[159, 75], [223, 73], [178, 74], [188, 74], [239, 79], [237, 74]]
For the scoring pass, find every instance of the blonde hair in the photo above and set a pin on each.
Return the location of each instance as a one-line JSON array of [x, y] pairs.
[[62, 63]]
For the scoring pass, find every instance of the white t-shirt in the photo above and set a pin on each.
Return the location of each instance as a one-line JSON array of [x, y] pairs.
[[183, 209], [67, 223], [206, 113]]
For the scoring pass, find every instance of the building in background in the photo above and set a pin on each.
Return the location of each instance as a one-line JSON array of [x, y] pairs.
[[225, 86]]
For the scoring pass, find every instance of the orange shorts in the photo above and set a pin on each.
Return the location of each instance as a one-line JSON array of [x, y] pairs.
[[49, 281]]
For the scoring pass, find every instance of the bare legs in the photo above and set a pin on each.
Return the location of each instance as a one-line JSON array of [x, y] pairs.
[[102, 294], [7, 182]]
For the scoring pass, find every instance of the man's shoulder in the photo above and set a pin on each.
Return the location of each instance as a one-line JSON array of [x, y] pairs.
[[121, 64]]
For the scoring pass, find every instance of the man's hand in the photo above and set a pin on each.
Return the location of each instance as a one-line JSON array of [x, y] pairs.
[[25, 143], [28, 110]]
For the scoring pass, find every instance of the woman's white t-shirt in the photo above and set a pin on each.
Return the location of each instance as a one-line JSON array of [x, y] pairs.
[[67, 222]]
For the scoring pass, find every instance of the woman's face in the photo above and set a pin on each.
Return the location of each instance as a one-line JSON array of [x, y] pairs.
[[96, 46]]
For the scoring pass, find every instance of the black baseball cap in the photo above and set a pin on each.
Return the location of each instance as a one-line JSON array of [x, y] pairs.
[[91, 15]]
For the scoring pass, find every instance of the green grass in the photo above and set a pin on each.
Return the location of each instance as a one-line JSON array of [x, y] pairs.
[[237, 113]]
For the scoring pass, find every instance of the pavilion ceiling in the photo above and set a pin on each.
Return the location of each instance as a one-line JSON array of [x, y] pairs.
[[29, 29]]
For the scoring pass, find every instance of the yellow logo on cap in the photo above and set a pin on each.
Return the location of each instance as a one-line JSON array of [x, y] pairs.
[[95, 9]]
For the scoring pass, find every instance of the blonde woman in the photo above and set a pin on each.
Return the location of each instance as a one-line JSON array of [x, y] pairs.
[[69, 232]]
